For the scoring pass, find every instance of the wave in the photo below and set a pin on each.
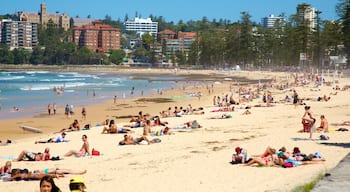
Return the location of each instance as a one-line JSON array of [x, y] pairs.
[[62, 80], [51, 86], [11, 78]]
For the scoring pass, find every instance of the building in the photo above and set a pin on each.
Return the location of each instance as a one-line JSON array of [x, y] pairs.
[[141, 26], [19, 34], [270, 21], [97, 37], [60, 20], [307, 15], [182, 42], [78, 22]]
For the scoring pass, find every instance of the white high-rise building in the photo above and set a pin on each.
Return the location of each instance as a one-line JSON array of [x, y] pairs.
[[141, 26], [307, 15], [269, 22]]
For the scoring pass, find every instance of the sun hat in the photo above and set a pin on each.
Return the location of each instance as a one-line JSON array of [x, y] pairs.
[[77, 180]]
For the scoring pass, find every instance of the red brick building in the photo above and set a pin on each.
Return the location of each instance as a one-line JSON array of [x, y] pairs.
[[97, 37]]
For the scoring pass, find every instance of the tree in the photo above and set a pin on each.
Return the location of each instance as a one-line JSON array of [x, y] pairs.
[[6, 56], [343, 10], [117, 56]]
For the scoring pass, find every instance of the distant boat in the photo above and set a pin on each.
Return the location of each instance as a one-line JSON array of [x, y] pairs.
[[228, 79]]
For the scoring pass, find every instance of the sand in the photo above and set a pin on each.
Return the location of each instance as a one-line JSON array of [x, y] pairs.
[[195, 160]]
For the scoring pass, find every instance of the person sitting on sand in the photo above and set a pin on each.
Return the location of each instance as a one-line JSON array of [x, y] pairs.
[[84, 150], [129, 140], [240, 156], [147, 128], [6, 169], [324, 124], [58, 139], [31, 156]]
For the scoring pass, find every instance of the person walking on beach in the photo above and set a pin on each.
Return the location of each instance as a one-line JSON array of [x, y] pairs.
[[83, 113], [49, 109], [115, 99], [54, 108], [66, 111]]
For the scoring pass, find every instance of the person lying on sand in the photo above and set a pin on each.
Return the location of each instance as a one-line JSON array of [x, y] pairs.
[[224, 109], [129, 140], [165, 131], [59, 171], [246, 112], [5, 143], [223, 116], [31, 156], [58, 139], [16, 175]]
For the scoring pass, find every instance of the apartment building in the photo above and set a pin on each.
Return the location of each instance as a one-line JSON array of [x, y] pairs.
[[19, 34], [60, 20], [97, 37], [270, 21], [182, 42], [307, 15], [141, 26]]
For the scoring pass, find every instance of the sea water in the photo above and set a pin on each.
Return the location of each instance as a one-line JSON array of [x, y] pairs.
[[29, 93]]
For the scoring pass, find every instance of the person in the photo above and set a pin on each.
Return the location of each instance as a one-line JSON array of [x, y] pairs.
[[54, 108], [240, 156], [84, 150], [147, 127], [129, 140], [16, 175], [6, 169], [309, 122], [268, 158], [49, 109], [31, 156], [58, 139], [324, 124], [47, 184], [77, 184], [165, 131], [4, 144], [83, 113], [59, 171], [246, 112], [295, 98]]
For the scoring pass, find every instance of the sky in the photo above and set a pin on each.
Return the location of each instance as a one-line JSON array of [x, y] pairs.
[[175, 10]]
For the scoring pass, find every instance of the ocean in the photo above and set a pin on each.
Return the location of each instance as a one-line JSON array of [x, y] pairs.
[[29, 93]]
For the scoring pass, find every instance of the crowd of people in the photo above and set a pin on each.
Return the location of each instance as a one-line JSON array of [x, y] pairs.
[[154, 126]]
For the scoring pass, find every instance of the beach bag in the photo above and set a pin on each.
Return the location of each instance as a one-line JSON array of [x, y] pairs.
[[287, 164], [95, 152], [324, 137]]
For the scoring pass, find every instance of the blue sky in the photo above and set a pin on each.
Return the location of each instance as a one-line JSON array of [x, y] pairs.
[[172, 10]]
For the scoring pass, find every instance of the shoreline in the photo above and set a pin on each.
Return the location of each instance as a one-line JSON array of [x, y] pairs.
[[194, 160]]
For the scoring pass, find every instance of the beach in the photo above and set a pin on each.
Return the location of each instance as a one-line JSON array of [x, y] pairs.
[[189, 160]]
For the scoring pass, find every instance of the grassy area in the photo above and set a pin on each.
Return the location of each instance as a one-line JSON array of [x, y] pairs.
[[307, 187]]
